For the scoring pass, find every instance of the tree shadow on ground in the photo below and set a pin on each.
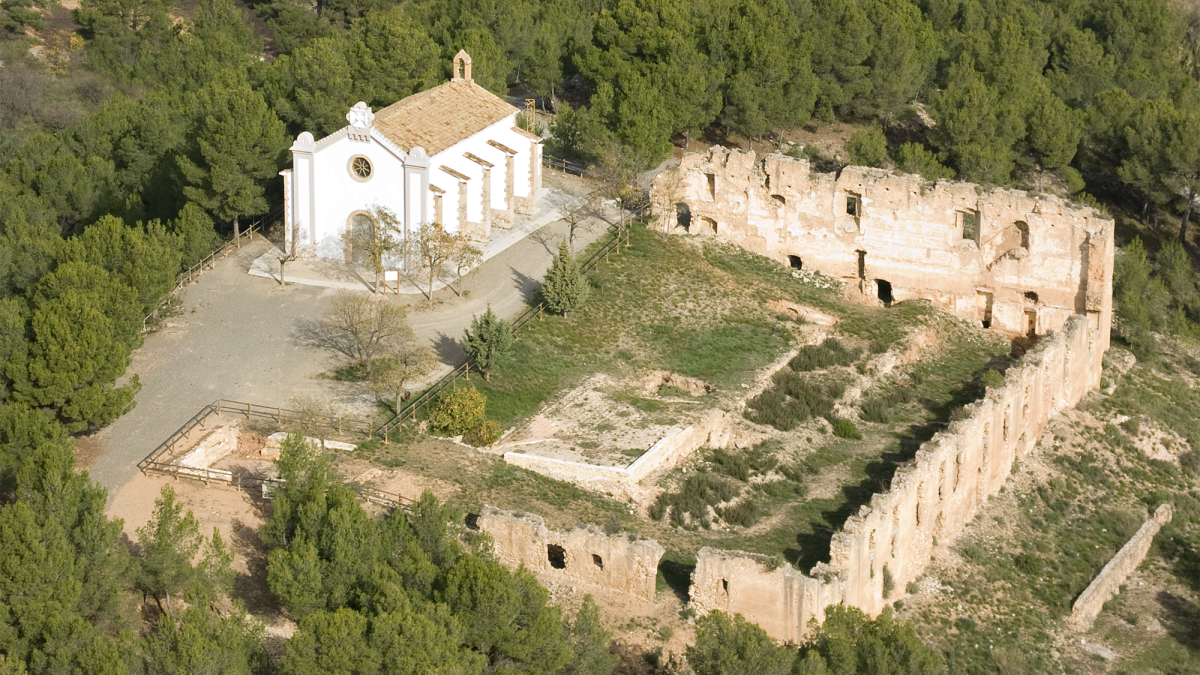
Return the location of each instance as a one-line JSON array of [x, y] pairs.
[[315, 334], [529, 288], [449, 351], [813, 547], [1181, 618], [251, 588]]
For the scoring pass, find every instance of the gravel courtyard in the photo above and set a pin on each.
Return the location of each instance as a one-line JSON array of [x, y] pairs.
[[234, 338]]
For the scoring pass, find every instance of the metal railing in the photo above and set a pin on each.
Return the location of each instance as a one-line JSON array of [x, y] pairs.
[[192, 273]]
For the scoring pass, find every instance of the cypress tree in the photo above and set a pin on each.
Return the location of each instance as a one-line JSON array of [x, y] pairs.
[[564, 287], [488, 340]]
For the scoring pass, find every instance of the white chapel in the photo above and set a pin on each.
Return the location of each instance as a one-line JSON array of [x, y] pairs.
[[452, 154]]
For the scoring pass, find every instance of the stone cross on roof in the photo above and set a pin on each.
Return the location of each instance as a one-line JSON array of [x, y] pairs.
[[360, 116]]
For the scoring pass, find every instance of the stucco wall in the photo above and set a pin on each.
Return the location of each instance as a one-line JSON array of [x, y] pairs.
[[910, 234], [1087, 607], [712, 431], [931, 498], [323, 194], [618, 562]]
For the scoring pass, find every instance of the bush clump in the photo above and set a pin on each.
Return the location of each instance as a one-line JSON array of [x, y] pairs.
[[829, 353], [698, 492], [791, 400], [483, 436], [458, 410], [844, 428], [743, 514], [992, 379]]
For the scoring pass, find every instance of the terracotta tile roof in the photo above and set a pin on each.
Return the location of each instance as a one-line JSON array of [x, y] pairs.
[[437, 118]]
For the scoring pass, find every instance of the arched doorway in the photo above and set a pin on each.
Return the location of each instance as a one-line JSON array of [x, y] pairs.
[[359, 236]]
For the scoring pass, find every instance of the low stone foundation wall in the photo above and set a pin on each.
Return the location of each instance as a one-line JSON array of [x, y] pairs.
[[712, 431], [213, 447], [930, 499], [1087, 607], [584, 554]]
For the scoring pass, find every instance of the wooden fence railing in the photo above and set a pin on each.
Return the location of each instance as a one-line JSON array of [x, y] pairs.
[[427, 397], [189, 275], [564, 165], [340, 424], [161, 460]]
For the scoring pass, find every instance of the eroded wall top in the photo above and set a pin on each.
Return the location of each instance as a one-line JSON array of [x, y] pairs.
[[1007, 258]]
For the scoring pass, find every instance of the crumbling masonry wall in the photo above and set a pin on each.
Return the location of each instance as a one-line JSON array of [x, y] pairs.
[[931, 499], [1087, 607], [584, 554], [712, 431], [1014, 261]]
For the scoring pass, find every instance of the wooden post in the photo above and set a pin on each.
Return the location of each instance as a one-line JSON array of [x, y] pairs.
[[278, 414]]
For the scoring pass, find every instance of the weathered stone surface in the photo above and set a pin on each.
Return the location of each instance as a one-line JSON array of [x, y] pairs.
[[712, 431], [1087, 607], [930, 499], [1025, 264], [584, 554]]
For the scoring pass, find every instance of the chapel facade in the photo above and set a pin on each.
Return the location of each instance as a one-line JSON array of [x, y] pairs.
[[452, 155]]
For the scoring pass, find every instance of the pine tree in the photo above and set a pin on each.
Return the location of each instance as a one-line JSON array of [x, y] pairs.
[[238, 146], [488, 340], [564, 287], [169, 542], [589, 643]]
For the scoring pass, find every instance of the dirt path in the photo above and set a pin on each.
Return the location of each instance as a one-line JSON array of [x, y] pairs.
[[234, 339]]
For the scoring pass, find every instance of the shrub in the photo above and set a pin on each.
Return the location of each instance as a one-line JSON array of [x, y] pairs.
[[889, 584], [875, 410], [743, 514], [483, 436], [829, 353], [992, 379], [458, 410], [844, 428]]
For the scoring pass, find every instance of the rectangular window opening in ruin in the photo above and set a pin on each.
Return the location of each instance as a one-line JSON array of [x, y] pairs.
[[725, 585], [853, 205], [1023, 228], [557, 556], [712, 185], [983, 301], [1030, 322], [968, 223], [862, 264], [597, 561]]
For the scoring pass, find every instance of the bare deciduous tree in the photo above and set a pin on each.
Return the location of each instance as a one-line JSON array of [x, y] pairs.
[[435, 247], [362, 328], [464, 256], [393, 373]]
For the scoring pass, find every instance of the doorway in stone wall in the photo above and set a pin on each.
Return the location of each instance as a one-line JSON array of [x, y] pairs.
[[795, 262], [983, 304], [884, 291], [557, 556], [683, 216]]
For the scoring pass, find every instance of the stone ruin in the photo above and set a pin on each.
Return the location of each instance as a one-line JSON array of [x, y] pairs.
[[1108, 583], [1024, 264], [585, 554], [1008, 259], [930, 501]]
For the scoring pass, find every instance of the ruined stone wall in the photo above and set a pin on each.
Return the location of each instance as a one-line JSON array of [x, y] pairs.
[[1019, 262], [931, 499], [585, 554], [712, 431], [1087, 607]]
